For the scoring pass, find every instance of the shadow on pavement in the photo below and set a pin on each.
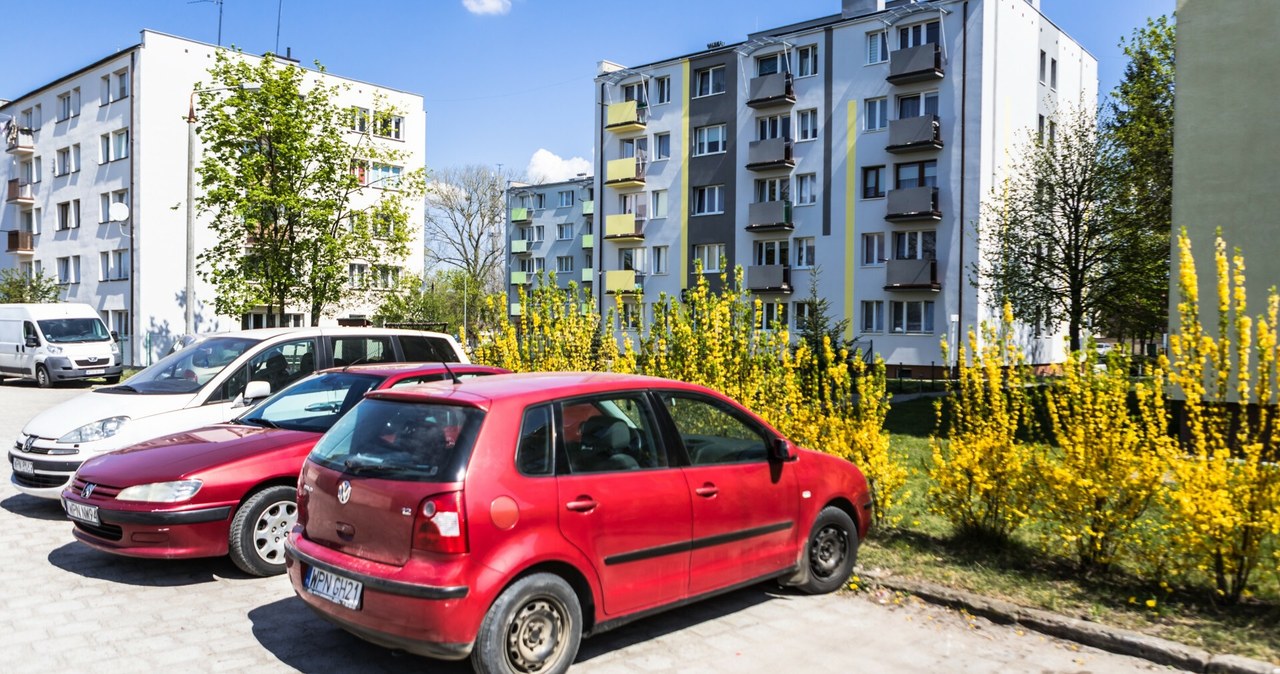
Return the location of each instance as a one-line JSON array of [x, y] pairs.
[[45, 509], [83, 560], [302, 640]]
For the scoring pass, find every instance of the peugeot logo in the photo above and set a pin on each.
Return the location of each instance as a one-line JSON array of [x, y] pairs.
[[88, 490], [93, 359], [344, 492], [31, 440]]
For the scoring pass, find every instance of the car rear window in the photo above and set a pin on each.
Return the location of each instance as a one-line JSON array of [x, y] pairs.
[[427, 349], [395, 440]]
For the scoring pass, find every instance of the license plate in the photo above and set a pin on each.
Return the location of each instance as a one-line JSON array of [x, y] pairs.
[[335, 588], [23, 466], [81, 512], [93, 372]]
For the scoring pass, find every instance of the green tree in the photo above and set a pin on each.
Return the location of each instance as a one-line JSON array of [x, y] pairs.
[[284, 171], [18, 287]]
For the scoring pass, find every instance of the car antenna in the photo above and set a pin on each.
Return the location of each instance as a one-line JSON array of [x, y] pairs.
[[448, 369], [354, 362]]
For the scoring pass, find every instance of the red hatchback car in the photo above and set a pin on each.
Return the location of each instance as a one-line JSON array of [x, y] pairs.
[[227, 488], [529, 510]]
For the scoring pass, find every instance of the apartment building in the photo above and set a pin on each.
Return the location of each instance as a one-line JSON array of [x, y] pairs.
[[96, 177], [851, 151], [550, 229]]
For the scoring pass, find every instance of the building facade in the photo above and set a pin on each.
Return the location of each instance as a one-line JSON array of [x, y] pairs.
[[96, 174], [550, 234], [848, 154]]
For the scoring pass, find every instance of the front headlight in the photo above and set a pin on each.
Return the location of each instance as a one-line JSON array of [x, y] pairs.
[[55, 350], [98, 430], [115, 349], [161, 492]]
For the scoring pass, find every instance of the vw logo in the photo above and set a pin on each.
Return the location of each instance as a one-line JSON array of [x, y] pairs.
[[344, 492], [88, 490]]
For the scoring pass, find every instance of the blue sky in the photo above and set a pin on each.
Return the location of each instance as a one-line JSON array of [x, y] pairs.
[[501, 79]]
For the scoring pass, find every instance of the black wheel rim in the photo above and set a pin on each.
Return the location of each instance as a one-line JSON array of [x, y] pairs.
[[536, 635], [828, 551]]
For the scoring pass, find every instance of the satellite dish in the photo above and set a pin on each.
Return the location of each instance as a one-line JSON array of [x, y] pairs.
[[118, 212]]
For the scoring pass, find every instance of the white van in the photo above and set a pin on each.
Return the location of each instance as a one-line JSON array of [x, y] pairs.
[[200, 385], [50, 343]]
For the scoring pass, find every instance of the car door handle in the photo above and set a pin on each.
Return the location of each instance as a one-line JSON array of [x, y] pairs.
[[707, 490], [582, 504]]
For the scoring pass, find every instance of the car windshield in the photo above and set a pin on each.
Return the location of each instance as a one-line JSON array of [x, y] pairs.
[[71, 330], [314, 403], [418, 442], [188, 370]]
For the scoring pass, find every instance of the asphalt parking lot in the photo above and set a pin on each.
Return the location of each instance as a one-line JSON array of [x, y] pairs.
[[66, 607]]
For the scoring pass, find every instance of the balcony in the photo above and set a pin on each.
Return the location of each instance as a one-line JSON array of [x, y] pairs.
[[522, 215], [768, 91], [625, 173], [21, 242], [520, 247], [588, 275], [621, 282], [588, 241], [911, 275], [915, 64], [913, 204], [770, 216], [516, 309], [771, 153], [521, 278], [626, 117], [914, 134], [20, 193], [624, 227], [21, 141], [589, 207], [773, 278]]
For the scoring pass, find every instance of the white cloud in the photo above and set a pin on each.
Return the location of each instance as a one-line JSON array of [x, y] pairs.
[[547, 167], [483, 7]]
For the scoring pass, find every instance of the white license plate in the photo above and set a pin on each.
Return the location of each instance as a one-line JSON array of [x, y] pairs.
[[335, 588], [93, 372], [81, 512], [23, 466]]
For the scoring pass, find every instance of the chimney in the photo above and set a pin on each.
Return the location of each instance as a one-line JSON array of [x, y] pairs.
[[852, 8]]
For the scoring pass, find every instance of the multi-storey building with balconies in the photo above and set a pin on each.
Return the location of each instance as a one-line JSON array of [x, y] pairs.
[[115, 132], [851, 152], [550, 231]]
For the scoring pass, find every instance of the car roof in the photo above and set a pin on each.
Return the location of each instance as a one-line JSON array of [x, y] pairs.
[[526, 388], [269, 333], [410, 369]]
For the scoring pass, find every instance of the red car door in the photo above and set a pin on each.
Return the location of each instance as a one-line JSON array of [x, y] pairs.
[[744, 506], [621, 503]]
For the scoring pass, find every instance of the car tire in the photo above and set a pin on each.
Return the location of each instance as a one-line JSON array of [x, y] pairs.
[[112, 380], [831, 551], [43, 380], [534, 627], [259, 529]]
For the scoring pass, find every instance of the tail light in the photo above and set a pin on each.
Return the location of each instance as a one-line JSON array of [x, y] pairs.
[[440, 524], [303, 496]]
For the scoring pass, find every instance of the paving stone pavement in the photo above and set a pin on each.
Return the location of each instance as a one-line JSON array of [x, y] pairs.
[[65, 607]]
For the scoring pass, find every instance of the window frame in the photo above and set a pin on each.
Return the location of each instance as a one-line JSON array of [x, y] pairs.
[[880, 40], [809, 131], [702, 143], [806, 249], [806, 191], [873, 242], [702, 202], [701, 252], [711, 81], [807, 55], [879, 119], [875, 189]]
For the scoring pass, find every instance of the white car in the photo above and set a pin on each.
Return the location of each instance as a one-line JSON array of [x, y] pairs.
[[196, 386]]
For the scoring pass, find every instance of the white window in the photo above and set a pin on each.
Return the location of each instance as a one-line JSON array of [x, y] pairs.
[[385, 176], [386, 276], [808, 61], [631, 259], [807, 189], [803, 312], [873, 316], [772, 189], [69, 105], [709, 140], [69, 215], [632, 203], [708, 81], [1043, 61], [875, 114], [708, 200], [911, 317], [29, 221], [359, 119], [1053, 73], [104, 207], [104, 90], [772, 64], [661, 146], [808, 122], [873, 251], [566, 198], [69, 269], [771, 253], [877, 47], [773, 126], [539, 233], [28, 172], [564, 231], [564, 264], [659, 260], [709, 254], [638, 91], [357, 274], [775, 315], [114, 265], [915, 105], [806, 251], [919, 34], [635, 147], [389, 126], [629, 315], [663, 85], [920, 245], [63, 165], [539, 201], [120, 144], [121, 79], [658, 203]]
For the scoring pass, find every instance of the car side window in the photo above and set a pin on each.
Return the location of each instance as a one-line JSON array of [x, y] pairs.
[[609, 434], [359, 350], [29, 331], [712, 434], [534, 455], [279, 366], [419, 349]]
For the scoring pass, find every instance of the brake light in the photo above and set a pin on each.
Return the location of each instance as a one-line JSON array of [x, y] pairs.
[[440, 524], [302, 498]]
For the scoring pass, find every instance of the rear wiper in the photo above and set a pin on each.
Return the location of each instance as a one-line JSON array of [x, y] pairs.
[[355, 466], [259, 421], [122, 388]]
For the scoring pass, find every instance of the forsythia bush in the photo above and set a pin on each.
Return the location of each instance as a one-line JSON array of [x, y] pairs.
[[557, 330]]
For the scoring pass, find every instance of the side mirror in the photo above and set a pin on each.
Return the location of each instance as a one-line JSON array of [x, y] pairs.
[[782, 451], [254, 390], [115, 336], [32, 342]]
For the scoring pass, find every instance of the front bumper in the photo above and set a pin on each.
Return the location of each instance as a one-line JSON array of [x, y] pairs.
[[61, 368], [49, 475], [161, 534]]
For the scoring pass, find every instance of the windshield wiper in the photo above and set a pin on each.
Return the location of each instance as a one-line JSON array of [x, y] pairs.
[[122, 388], [259, 421], [356, 466]]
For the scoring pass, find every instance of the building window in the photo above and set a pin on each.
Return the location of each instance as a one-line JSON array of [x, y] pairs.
[[916, 174], [113, 265], [873, 253], [539, 201], [805, 252], [564, 231], [658, 203], [539, 233], [631, 259], [68, 160], [69, 270], [709, 140], [774, 315], [915, 245], [1043, 61], [873, 316], [659, 260], [1053, 131], [638, 91], [803, 312], [919, 34], [772, 189], [806, 189], [632, 203], [661, 146], [773, 126], [708, 81], [872, 182], [389, 126], [663, 85], [772, 64], [358, 119], [911, 317], [808, 122], [564, 264], [877, 47], [121, 79], [69, 105], [113, 146], [1040, 129], [629, 316], [915, 105], [708, 200], [1053, 73], [807, 57], [588, 260], [709, 254], [566, 198], [876, 114], [29, 221], [69, 215], [771, 253], [357, 275], [385, 176]]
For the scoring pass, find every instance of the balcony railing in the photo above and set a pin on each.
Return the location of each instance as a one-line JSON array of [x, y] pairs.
[[626, 117], [589, 207], [912, 204], [20, 141], [911, 275], [770, 153], [588, 241], [20, 193], [516, 309], [769, 278], [588, 275], [625, 172], [21, 242], [622, 282], [521, 215], [914, 134], [624, 227], [769, 216], [520, 247], [915, 64], [767, 91], [520, 278]]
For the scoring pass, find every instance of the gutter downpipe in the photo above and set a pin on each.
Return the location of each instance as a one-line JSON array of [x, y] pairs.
[[964, 108]]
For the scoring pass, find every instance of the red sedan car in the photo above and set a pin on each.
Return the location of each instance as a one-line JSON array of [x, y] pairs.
[[509, 516], [227, 488]]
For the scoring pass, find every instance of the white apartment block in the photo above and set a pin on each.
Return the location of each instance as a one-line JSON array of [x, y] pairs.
[[116, 131], [856, 147]]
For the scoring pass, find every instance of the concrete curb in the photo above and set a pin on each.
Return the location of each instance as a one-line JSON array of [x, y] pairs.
[[1113, 639]]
